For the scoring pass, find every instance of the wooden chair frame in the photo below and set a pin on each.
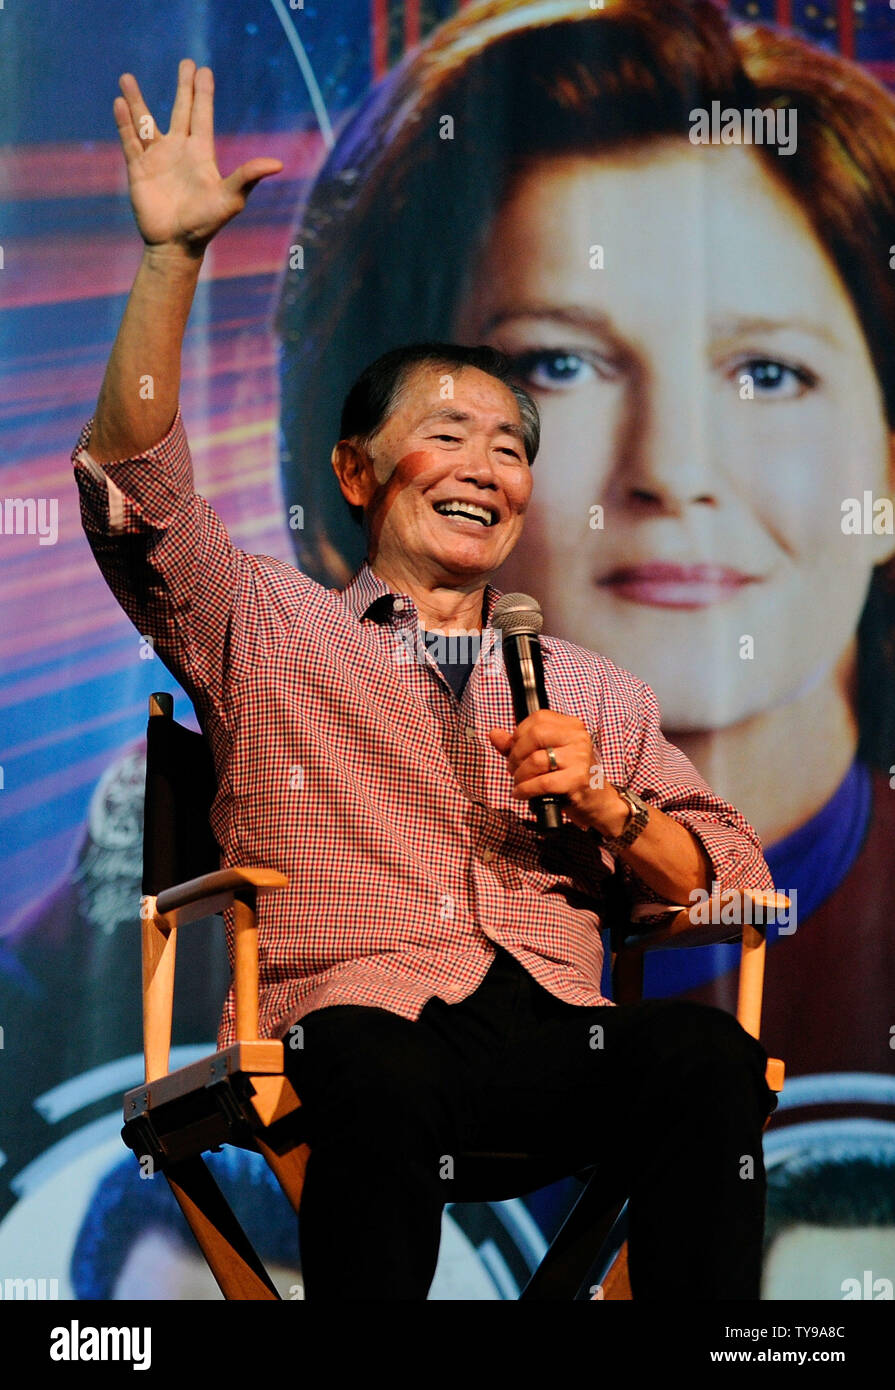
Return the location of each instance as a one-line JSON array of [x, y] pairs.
[[241, 1094]]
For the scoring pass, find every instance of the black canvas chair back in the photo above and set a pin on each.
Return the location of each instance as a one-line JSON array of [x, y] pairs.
[[178, 843]]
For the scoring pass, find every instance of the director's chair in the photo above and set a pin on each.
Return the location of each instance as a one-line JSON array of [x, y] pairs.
[[241, 1094]]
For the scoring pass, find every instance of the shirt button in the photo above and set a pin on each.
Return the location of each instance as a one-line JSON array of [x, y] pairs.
[[470, 733], [488, 855], [398, 605]]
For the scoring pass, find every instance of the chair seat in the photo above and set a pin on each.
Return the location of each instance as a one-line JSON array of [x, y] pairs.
[[214, 1101], [228, 1097]]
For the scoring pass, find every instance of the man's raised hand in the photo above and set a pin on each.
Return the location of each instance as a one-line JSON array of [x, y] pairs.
[[179, 198], [180, 201]]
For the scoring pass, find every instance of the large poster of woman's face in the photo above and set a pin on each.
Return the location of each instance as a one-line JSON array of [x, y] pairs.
[[678, 222]]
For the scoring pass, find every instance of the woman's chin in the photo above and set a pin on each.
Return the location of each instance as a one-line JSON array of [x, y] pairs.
[[690, 710], [699, 685]]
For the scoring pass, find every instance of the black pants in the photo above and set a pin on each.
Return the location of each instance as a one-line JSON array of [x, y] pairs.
[[672, 1094]]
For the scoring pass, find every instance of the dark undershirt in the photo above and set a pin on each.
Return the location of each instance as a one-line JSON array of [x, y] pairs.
[[456, 673]]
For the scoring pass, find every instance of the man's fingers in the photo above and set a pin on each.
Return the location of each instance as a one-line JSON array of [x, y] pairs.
[[202, 118], [140, 114], [126, 129], [546, 728], [183, 101], [530, 742], [537, 765], [549, 784]]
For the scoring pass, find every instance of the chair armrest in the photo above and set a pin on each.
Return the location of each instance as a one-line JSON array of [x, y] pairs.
[[747, 907], [751, 909], [211, 893], [188, 902]]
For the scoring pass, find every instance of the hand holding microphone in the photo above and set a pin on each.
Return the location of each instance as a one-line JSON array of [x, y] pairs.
[[550, 756]]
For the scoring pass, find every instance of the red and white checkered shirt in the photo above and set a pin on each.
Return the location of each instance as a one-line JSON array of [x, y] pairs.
[[347, 762]]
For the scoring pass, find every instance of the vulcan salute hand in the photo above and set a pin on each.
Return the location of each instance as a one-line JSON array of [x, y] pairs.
[[177, 192], [180, 202]]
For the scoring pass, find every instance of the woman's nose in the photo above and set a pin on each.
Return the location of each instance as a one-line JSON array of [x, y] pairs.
[[667, 456]]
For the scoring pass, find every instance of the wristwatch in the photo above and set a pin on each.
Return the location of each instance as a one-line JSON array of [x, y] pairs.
[[636, 822]]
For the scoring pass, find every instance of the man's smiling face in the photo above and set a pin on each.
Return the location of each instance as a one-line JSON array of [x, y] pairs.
[[447, 480]]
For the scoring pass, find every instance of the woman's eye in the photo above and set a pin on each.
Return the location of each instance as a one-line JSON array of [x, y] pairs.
[[554, 369], [771, 377], [451, 438]]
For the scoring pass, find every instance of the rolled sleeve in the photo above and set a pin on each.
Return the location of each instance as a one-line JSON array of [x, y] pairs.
[[129, 496], [210, 610]]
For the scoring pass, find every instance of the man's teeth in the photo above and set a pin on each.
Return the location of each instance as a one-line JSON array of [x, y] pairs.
[[464, 509]]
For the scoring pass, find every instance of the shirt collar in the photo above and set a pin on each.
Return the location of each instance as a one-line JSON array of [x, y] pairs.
[[368, 596]]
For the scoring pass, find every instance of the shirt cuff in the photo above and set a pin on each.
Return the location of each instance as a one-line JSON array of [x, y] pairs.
[[736, 862], [127, 496]]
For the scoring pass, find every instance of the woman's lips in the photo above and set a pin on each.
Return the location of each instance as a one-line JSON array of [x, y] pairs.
[[676, 586]]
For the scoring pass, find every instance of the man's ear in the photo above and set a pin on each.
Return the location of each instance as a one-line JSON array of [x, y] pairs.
[[354, 469]]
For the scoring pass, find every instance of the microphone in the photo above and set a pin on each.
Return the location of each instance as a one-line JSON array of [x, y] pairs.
[[519, 619]]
